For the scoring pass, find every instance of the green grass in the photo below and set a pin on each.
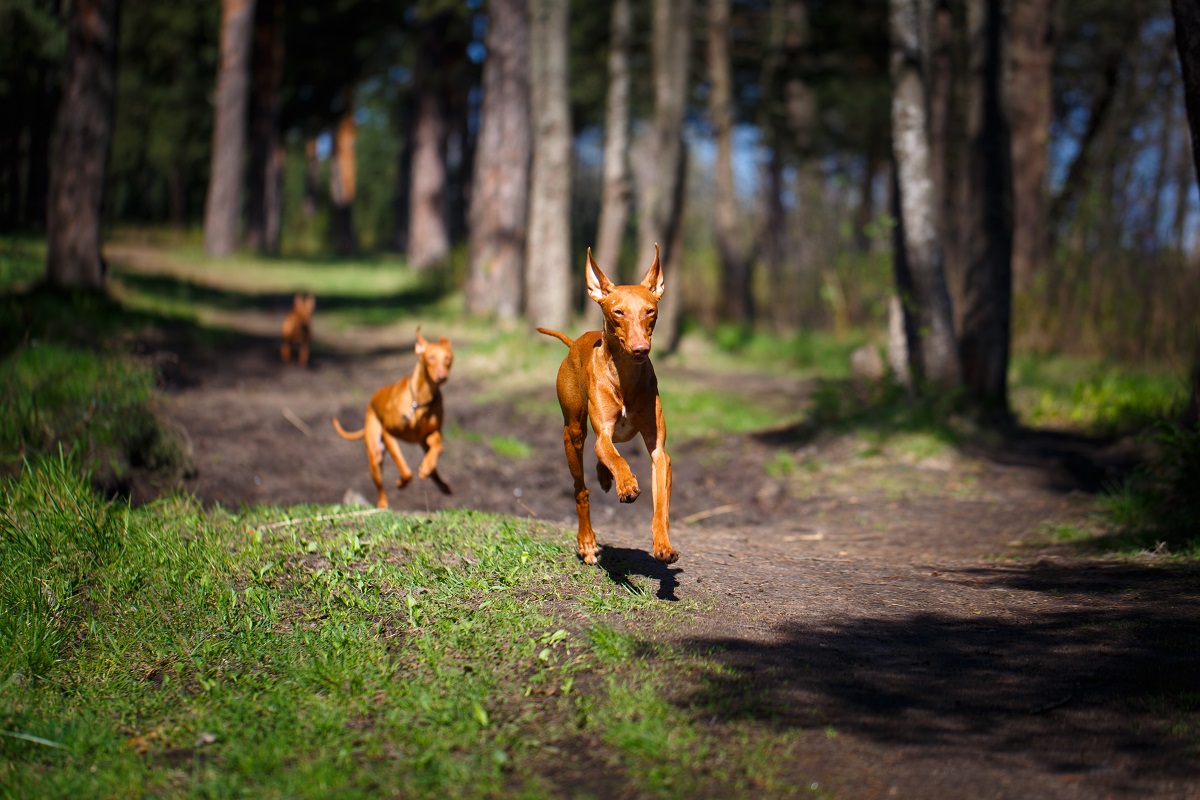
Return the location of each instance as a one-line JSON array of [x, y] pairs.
[[22, 261], [307, 652]]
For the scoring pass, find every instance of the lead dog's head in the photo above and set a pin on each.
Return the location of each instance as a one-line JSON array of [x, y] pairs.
[[436, 357], [629, 311]]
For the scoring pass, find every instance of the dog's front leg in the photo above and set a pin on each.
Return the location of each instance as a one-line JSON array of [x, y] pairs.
[[656, 444], [606, 452], [433, 449]]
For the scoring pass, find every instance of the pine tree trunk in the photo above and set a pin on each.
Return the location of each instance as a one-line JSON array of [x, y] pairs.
[[920, 271], [735, 263], [343, 179], [987, 291], [1030, 100], [500, 191], [428, 232], [548, 262], [263, 192], [81, 147], [663, 188], [223, 209]]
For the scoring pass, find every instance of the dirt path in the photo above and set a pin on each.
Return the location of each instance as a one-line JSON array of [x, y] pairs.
[[904, 617]]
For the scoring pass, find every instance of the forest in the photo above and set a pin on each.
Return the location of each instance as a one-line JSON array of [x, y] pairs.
[[927, 347]]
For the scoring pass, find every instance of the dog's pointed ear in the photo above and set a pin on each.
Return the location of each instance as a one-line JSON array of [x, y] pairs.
[[653, 279], [598, 284], [420, 348], [310, 303]]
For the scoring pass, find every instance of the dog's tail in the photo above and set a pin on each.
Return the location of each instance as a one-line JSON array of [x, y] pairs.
[[562, 337], [352, 435]]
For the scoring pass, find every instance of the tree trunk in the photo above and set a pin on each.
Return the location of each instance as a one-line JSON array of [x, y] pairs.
[[548, 259], [663, 193], [428, 232], [312, 175], [263, 194], [343, 179], [1187, 42], [222, 213], [81, 147], [920, 272], [735, 261], [616, 189], [987, 292], [1032, 41], [500, 191]]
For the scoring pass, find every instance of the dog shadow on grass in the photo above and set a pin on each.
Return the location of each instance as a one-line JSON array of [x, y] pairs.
[[621, 563]]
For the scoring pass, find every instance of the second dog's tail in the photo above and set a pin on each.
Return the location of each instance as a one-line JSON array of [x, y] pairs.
[[350, 435], [562, 337]]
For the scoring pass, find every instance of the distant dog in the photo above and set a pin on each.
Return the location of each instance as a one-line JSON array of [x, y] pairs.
[[409, 410], [607, 379], [297, 329]]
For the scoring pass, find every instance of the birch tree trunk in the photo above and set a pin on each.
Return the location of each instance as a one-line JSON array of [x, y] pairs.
[[736, 263], [616, 189], [223, 208], [81, 148], [663, 188], [548, 262], [987, 290], [920, 271], [500, 192]]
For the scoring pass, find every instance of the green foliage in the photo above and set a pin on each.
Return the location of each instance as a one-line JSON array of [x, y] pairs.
[[1091, 395], [1158, 508]]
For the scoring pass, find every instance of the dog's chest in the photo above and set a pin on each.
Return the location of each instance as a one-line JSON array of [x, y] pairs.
[[624, 429]]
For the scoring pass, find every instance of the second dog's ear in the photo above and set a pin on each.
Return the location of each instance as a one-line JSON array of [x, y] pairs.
[[598, 284], [420, 347], [653, 279]]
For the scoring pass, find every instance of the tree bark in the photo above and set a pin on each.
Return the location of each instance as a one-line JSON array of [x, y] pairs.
[[428, 232], [1187, 43], [223, 209], [735, 260], [312, 174], [1032, 40], [548, 256], [500, 193], [616, 189], [920, 272], [81, 147], [987, 291], [264, 198], [343, 179], [663, 189]]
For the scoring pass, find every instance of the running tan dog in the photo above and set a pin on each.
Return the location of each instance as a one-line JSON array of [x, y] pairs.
[[607, 378], [409, 410], [297, 329]]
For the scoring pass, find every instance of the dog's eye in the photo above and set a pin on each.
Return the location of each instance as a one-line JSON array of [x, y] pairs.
[[618, 312]]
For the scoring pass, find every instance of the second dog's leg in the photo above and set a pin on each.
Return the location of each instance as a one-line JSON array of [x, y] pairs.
[[393, 447], [573, 436], [373, 438]]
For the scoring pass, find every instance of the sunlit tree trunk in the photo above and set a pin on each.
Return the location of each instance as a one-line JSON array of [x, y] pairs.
[[264, 194], [548, 262], [343, 179], [223, 209], [920, 273], [661, 218], [735, 260], [500, 192], [428, 231], [1030, 100], [81, 147], [987, 289]]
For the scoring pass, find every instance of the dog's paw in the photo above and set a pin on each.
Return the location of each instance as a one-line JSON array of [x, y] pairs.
[[604, 475], [667, 555], [403, 481], [589, 556], [628, 491]]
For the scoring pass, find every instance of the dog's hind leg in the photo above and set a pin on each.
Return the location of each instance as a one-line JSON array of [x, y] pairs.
[[573, 435]]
